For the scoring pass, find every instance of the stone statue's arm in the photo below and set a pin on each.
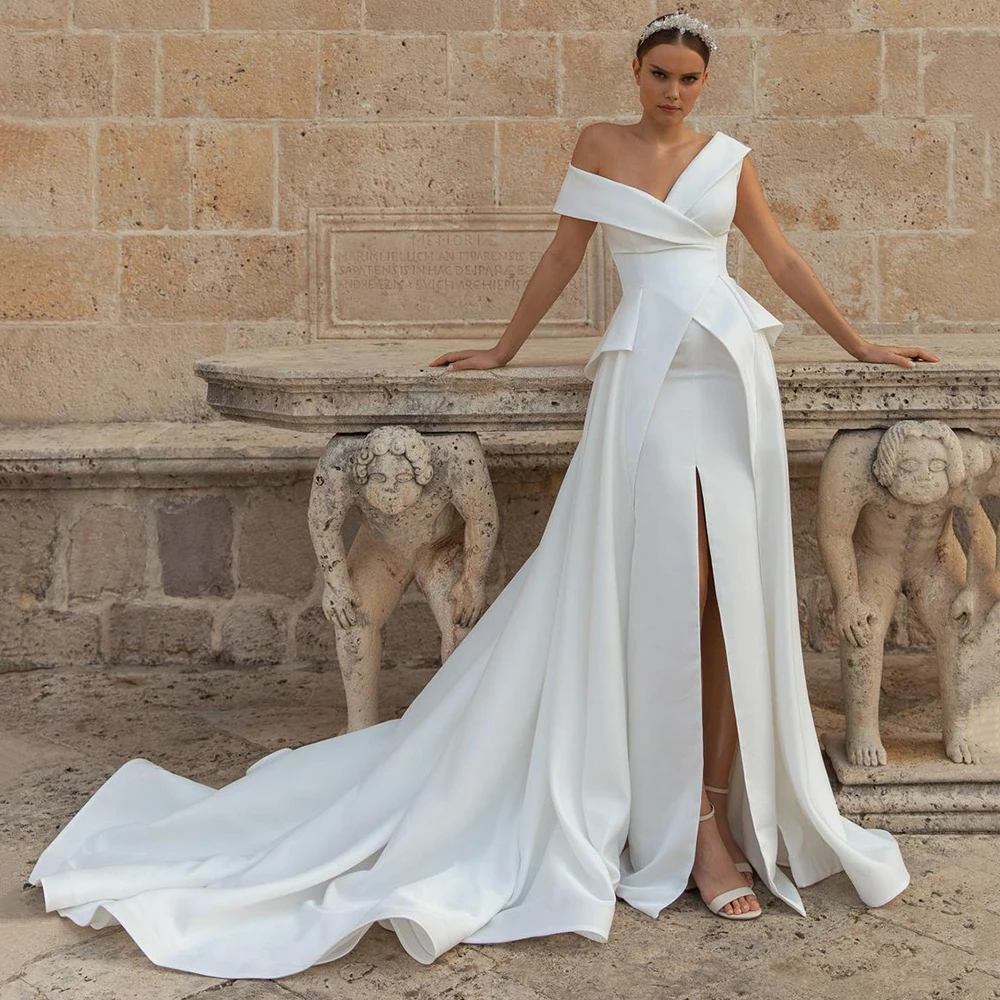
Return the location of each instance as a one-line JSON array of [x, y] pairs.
[[843, 492], [329, 503], [981, 462], [472, 496], [983, 549]]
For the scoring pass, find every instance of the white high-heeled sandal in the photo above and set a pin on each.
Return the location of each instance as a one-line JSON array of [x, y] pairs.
[[716, 903], [741, 866]]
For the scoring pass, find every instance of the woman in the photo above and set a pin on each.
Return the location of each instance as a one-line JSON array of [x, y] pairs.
[[555, 762], [670, 69]]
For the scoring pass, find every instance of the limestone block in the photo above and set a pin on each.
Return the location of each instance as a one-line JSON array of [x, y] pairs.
[[233, 176], [159, 634], [143, 176], [43, 637], [729, 88], [977, 193], [957, 76], [126, 14], [195, 545], [108, 372], [305, 15], [45, 180], [213, 277], [54, 74], [803, 15], [801, 75], [939, 277], [135, 75], [315, 641], [107, 552], [34, 14], [378, 164], [27, 539], [843, 261], [394, 76], [804, 501], [249, 336], [524, 520], [64, 276], [866, 173], [238, 76], [410, 637], [432, 15], [532, 160], [626, 15], [901, 92], [920, 14], [275, 552], [253, 633], [597, 79], [526, 86]]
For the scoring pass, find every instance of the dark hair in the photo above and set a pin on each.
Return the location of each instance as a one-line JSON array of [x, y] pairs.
[[695, 42]]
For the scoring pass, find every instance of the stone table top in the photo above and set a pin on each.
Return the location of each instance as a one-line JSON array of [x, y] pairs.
[[339, 385]]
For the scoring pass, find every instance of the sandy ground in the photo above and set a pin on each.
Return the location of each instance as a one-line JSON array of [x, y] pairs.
[[63, 732]]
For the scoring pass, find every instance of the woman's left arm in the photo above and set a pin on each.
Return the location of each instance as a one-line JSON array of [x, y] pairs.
[[798, 281]]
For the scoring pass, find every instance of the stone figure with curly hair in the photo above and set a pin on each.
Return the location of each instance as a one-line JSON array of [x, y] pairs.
[[428, 514]]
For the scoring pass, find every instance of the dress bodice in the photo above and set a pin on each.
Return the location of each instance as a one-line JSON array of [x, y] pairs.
[[673, 249]]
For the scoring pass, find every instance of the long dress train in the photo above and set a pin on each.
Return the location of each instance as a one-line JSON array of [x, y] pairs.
[[553, 762]]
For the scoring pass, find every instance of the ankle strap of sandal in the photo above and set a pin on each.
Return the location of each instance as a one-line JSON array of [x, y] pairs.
[[712, 788], [708, 815]]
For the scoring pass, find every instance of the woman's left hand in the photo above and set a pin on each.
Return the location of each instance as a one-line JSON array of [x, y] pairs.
[[888, 355]]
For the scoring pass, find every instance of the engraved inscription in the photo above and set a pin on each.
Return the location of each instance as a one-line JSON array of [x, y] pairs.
[[473, 276], [441, 274]]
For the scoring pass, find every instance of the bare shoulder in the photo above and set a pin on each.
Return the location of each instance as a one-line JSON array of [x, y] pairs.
[[593, 145]]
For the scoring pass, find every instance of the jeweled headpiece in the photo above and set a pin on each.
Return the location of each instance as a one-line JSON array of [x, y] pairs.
[[683, 22]]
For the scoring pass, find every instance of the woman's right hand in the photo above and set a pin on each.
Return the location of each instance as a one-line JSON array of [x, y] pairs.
[[475, 359]]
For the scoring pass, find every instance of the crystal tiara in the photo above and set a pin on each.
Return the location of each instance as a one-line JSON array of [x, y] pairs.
[[683, 22]]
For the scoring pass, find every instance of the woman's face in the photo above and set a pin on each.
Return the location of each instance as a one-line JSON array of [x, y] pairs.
[[670, 79]]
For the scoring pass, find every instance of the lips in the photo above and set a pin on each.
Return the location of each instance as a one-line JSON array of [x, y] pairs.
[[668, 107]]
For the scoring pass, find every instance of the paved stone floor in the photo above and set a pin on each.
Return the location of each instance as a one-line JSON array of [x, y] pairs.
[[63, 732]]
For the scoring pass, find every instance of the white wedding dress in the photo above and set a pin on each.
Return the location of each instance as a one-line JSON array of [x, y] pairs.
[[554, 761]]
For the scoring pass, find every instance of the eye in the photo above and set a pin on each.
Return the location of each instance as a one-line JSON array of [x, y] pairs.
[[690, 79], [937, 464], [657, 72]]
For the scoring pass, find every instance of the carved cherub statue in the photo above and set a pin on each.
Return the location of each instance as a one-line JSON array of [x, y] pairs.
[[427, 513], [886, 502]]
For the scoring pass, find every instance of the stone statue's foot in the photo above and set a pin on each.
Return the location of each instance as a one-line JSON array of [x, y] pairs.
[[866, 750], [962, 750]]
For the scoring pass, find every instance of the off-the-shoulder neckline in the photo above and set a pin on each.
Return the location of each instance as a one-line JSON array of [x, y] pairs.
[[632, 187]]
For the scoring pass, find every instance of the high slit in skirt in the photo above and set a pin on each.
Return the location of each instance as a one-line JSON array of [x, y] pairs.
[[699, 423]]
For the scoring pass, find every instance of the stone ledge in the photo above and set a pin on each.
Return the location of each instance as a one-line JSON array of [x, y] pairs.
[[919, 791], [129, 455], [353, 385]]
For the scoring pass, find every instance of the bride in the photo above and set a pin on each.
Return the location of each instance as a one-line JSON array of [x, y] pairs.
[[629, 717]]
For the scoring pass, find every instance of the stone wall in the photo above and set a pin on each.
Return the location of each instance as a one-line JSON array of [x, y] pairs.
[[179, 544], [159, 160], [194, 548]]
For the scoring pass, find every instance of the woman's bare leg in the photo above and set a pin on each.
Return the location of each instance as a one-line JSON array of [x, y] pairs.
[[718, 716], [714, 867]]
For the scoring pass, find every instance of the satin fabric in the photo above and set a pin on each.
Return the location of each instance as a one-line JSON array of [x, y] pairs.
[[553, 763]]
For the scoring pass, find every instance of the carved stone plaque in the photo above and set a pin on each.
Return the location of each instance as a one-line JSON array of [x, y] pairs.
[[420, 273]]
